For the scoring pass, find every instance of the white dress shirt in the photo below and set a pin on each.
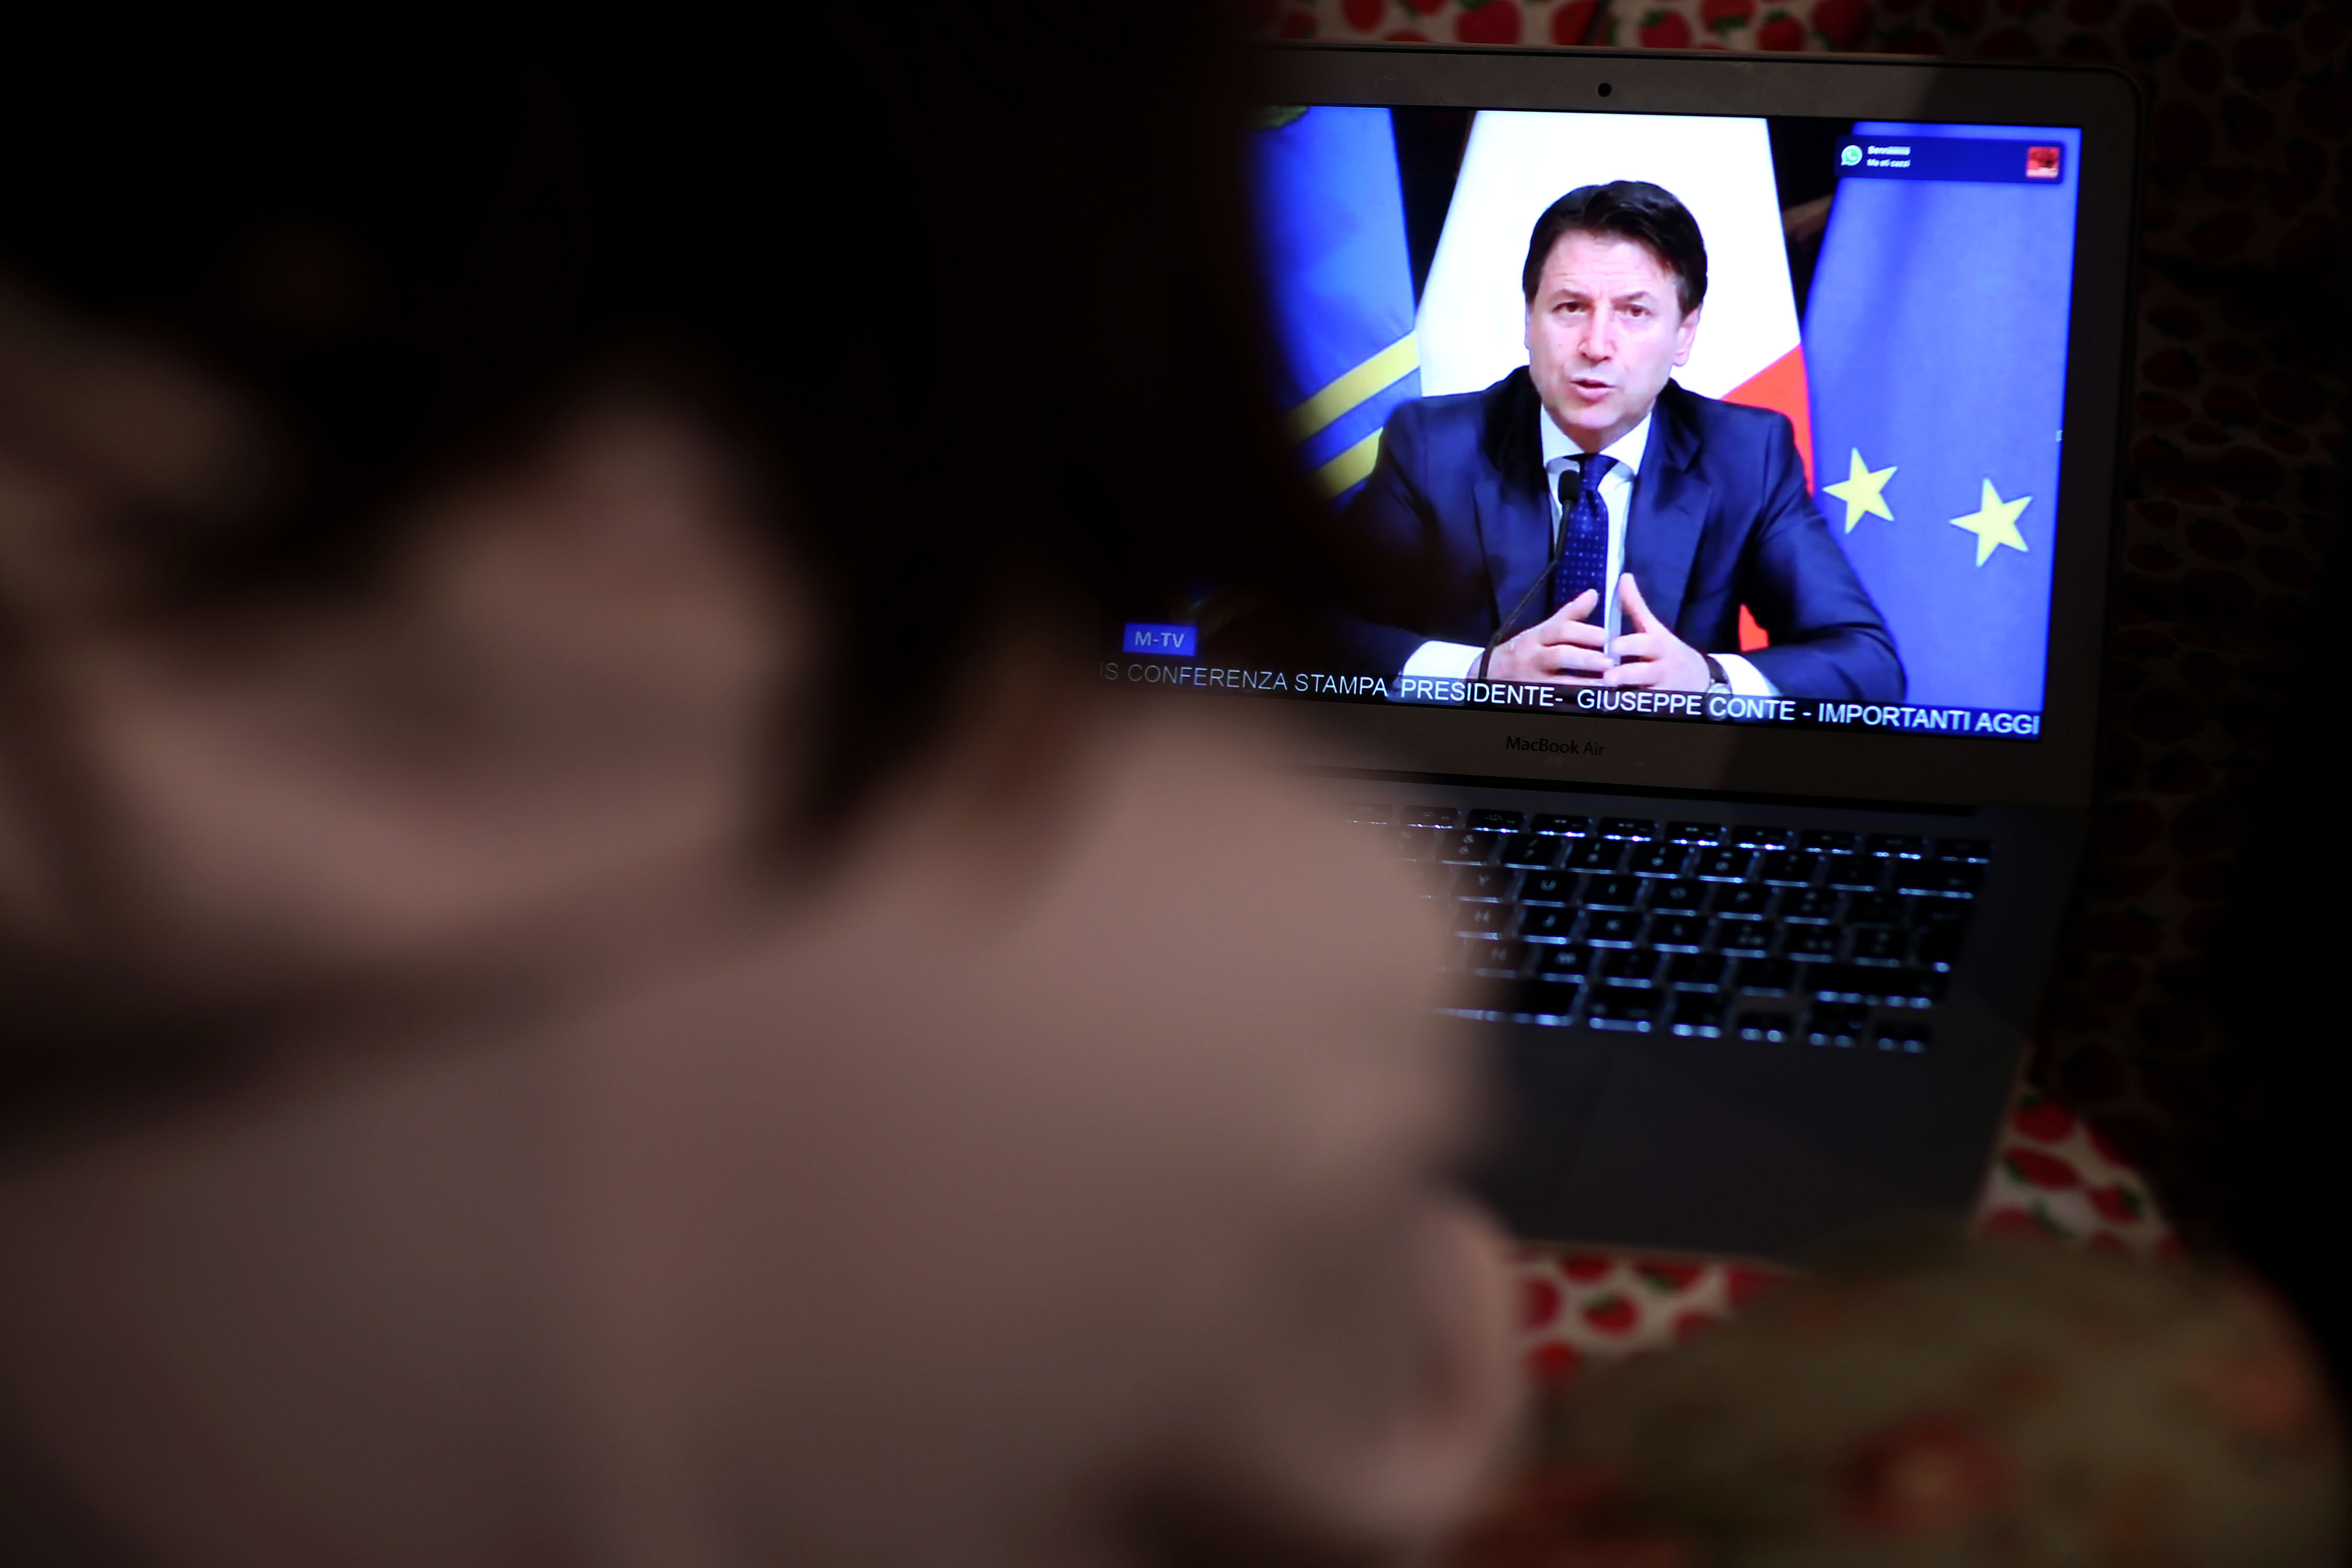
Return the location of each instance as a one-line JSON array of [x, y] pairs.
[[1460, 660]]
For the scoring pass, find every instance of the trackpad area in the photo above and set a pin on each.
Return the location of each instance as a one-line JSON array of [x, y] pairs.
[[1604, 1146], [1543, 1095]]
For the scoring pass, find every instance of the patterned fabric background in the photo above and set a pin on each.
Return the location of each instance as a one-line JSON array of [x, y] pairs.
[[1987, 1403], [2052, 1180], [2234, 444]]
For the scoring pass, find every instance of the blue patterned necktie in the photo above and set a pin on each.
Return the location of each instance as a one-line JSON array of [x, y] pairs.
[[1583, 534]]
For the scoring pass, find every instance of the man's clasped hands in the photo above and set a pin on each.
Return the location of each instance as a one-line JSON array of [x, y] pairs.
[[1567, 648]]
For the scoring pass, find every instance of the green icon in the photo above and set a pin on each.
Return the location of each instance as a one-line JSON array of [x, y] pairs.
[[1850, 156]]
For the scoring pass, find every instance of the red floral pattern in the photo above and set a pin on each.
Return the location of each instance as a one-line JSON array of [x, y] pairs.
[[2052, 1180], [1943, 1405]]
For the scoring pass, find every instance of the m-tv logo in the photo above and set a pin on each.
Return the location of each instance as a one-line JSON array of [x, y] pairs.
[[1166, 641]]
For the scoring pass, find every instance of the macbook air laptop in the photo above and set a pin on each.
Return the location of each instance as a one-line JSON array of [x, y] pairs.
[[1714, 458]]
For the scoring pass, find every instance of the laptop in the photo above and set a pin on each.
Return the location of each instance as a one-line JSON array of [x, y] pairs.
[[1714, 458]]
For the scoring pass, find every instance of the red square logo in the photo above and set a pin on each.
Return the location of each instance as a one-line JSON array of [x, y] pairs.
[[2041, 163]]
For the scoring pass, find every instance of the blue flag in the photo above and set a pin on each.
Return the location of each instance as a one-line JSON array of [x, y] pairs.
[[1330, 222], [1935, 344]]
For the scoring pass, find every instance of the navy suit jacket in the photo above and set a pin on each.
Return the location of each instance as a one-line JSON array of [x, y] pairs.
[[1454, 525]]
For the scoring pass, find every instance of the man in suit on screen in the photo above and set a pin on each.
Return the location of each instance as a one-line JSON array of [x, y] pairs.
[[1497, 526]]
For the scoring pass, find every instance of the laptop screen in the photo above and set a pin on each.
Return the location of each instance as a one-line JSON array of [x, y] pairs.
[[1694, 419]]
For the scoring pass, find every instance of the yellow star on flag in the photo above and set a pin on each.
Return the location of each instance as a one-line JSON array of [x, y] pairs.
[[1864, 491], [1994, 522]]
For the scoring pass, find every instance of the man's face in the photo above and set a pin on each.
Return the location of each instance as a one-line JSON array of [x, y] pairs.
[[1604, 331]]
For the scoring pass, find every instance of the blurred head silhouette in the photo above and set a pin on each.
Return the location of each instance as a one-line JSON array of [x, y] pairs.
[[582, 980]]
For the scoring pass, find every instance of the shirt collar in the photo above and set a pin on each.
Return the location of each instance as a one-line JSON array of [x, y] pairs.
[[1628, 448]]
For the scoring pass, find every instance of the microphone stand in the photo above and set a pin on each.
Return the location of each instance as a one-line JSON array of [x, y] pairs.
[[1503, 631]]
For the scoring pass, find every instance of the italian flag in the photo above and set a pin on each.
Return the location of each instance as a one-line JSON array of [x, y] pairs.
[[1471, 317]]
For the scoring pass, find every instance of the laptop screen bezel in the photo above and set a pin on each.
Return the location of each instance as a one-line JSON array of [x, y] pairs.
[[2055, 770]]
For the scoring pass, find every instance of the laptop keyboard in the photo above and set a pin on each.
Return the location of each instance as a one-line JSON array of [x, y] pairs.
[[1704, 930]]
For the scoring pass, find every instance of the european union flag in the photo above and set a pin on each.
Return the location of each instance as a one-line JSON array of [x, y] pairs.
[[1935, 341], [1330, 222]]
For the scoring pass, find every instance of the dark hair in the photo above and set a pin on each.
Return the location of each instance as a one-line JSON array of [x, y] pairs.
[[853, 245], [1631, 209], [857, 247]]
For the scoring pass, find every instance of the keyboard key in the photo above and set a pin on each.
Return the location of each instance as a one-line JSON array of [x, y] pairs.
[[1533, 850], [1828, 841], [1611, 928], [1811, 904], [1743, 939], [1371, 812], [1694, 832], [1481, 920], [1492, 883], [1855, 873], [1928, 913], [1436, 878], [1897, 845], [1852, 983], [1861, 984], [1548, 887], [1628, 827], [1615, 1007], [1905, 1038], [1939, 878], [1414, 842], [1975, 851], [1754, 835], [1629, 966], [1541, 924], [1722, 865], [1765, 976], [1873, 909], [1764, 1028], [1678, 934], [1909, 987], [1562, 966], [1699, 1017], [1545, 1003], [1656, 860], [1502, 821], [1750, 900], [1566, 826], [1790, 869], [1433, 816], [1881, 945], [1696, 971], [1683, 897], [1619, 892], [1596, 854], [1809, 941], [1493, 960], [1939, 948], [1474, 847], [1487, 997], [1836, 1024], [1845, 983]]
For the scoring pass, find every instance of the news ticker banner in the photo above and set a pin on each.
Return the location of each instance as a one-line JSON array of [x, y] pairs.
[[1166, 657]]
